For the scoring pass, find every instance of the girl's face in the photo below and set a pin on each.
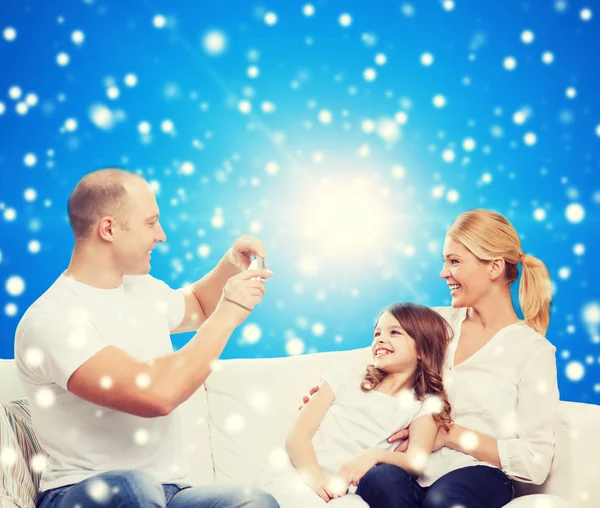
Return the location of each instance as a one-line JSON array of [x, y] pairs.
[[393, 349], [467, 277]]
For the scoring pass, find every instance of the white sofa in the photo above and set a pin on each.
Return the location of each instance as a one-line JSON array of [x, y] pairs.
[[240, 417]]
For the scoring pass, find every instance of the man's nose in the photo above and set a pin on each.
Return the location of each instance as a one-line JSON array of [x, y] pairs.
[[161, 237]]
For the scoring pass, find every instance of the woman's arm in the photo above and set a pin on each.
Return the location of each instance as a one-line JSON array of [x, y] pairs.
[[299, 442], [422, 433], [528, 457]]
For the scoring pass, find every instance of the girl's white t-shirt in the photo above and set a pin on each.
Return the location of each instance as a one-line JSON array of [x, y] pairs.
[[507, 390], [357, 420]]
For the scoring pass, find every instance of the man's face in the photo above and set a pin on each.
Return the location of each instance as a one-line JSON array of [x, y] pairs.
[[133, 244]]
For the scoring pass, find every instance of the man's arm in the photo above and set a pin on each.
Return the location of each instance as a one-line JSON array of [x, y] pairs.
[[157, 387], [201, 297]]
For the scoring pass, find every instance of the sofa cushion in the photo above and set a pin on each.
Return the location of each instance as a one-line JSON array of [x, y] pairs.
[[253, 403], [16, 484]]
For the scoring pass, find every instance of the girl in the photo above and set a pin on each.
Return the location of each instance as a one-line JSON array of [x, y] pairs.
[[342, 431]]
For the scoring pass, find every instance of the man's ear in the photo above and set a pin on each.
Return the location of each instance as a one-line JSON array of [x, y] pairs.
[[106, 228], [496, 268]]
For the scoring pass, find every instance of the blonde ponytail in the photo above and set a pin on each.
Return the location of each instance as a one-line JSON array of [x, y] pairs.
[[535, 293]]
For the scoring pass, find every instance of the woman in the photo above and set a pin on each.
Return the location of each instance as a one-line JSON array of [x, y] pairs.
[[500, 376]]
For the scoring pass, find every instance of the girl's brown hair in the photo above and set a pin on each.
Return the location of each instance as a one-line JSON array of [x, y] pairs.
[[432, 335]]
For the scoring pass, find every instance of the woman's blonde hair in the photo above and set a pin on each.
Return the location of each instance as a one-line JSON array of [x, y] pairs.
[[489, 235], [432, 335]]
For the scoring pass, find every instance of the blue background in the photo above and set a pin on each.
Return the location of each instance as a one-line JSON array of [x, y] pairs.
[[353, 219]]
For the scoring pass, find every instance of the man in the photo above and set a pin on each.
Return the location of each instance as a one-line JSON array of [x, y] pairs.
[[95, 356]]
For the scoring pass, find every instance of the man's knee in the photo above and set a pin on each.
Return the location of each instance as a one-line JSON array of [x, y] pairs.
[[131, 488], [257, 498]]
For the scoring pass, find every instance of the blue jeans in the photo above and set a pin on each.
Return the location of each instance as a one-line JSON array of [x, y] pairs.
[[388, 486], [131, 488]]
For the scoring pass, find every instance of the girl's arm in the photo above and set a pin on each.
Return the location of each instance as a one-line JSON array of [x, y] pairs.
[[299, 442], [422, 433]]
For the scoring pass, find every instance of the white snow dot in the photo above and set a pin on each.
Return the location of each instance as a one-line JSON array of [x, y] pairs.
[[369, 74], [31, 99], [272, 168], [251, 333], [294, 346], [62, 59], [579, 249], [539, 214], [345, 20], [102, 117], [10, 34], [570, 92], [159, 21], [469, 440], [591, 314], [8, 457], [270, 18], [519, 117], [547, 57], [214, 42], [452, 196], [45, 398], [574, 213], [38, 462], [308, 10], [325, 116], [30, 194], [564, 272], [34, 246], [448, 155], [398, 172], [469, 144], [585, 14], [510, 63], [167, 126], [14, 92], [204, 250], [253, 71], [141, 437], [187, 168], [30, 160], [260, 401], [368, 126], [2, 108], [10, 309], [70, 124], [244, 107], [143, 380], [77, 37], [10, 214], [34, 357], [234, 423], [598, 130], [131, 80], [268, 107], [217, 221], [426, 59], [575, 371], [318, 329], [144, 127], [448, 5], [401, 117], [106, 382], [530, 138], [113, 92], [380, 59], [439, 101], [527, 36]]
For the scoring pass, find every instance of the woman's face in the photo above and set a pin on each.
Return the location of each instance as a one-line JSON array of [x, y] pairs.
[[467, 277], [393, 349]]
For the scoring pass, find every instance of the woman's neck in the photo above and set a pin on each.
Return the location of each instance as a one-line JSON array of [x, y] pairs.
[[493, 312]]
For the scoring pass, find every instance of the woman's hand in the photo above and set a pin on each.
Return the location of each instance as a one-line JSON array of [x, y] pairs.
[[328, 488], [354, 470]]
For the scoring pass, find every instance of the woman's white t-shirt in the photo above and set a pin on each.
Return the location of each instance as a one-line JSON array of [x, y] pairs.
[[507, 390]]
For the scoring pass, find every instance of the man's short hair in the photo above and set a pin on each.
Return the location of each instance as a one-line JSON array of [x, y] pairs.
[[98, 194]]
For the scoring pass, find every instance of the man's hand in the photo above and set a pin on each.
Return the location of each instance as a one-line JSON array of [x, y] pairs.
[[306, 398], [354, 470], [241, 294], [243, 249], [402, 437]]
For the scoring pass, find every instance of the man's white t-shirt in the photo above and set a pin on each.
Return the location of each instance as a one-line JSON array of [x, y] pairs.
[[63, 329]]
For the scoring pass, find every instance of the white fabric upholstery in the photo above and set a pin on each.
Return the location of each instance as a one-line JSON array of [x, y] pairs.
[[243, 413]]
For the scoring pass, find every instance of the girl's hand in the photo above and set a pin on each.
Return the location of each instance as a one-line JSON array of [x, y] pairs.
[[354, 470], [440, 439]]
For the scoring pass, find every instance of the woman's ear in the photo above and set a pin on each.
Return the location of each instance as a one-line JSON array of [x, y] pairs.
[[496, 268]]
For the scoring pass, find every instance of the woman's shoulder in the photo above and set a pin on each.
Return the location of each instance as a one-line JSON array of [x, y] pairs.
[[529, 339]]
